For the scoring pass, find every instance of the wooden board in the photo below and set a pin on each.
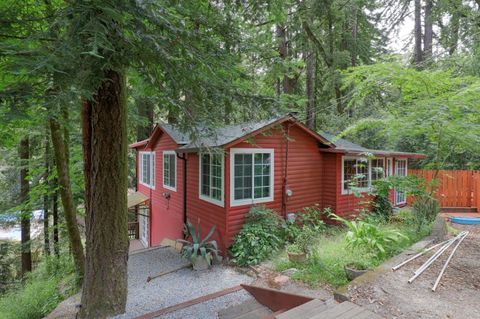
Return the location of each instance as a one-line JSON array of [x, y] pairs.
[[306, 310], [317, 309], [250, 309]]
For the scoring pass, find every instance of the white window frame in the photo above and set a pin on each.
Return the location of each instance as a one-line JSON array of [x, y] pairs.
[[389, 167], [346, 191], [221, 202], [404, 201], [152, 171], [239, 202], [163, 170]]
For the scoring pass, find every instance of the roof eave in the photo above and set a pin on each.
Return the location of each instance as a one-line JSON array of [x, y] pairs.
[[374, 152], [139, 143]]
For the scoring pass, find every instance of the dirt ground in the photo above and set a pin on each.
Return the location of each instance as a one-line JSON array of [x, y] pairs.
[[457, 296]]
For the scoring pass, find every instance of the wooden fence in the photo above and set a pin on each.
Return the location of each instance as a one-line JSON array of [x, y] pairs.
[[454, 188]]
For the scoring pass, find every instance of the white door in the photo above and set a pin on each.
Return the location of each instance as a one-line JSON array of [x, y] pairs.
[[143, 225], [400, 170]]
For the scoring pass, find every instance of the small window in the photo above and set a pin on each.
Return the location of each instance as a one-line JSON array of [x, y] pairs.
[[389, 168], [147, 169], [355, 173], [170, 170], [211, 178], [251, 176], [378, 168]]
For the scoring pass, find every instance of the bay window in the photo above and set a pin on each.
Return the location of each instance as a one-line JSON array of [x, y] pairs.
[[211, 178], [147, 169], [251, 176], [170, 170]]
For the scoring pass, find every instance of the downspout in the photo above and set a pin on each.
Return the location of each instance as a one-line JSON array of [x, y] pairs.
[[184, 209], [285, 173]]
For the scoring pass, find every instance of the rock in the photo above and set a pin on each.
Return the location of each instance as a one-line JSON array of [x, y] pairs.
[[290, 271], [281, 279]]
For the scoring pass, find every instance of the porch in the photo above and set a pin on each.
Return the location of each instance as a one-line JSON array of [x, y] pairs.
[[138, 221]]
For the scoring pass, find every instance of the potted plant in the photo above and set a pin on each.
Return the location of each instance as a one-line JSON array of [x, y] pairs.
[[355, 269], [296, 254], [200, 252]]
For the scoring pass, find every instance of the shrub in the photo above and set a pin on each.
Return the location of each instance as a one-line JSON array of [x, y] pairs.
[[260, 236], [309, 217], [425, 210], [382, 207], [198, 247], [41, 292], [368, 236]]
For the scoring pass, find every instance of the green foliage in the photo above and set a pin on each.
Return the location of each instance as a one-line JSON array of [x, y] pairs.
[[362, 234], [425, 209], [260, 236], [51, 282], [197, 247], [309, 218]]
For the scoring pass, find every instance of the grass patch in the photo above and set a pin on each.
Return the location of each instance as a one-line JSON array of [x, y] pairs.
[[330, 254], [51, 282]]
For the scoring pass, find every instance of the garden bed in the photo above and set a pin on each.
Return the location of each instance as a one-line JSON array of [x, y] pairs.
[[330, 253]]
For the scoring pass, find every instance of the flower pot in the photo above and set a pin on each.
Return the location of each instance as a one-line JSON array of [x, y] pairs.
[[353, 273], [297, 257], [200, 263]]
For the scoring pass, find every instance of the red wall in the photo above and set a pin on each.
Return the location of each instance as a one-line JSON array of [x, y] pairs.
[[304, 174], [166, 219], [198, 209]]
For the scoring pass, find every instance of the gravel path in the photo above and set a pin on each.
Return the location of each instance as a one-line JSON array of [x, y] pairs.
[[177, 287]]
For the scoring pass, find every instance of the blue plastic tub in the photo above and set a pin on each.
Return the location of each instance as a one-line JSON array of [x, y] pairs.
[[465, 220]]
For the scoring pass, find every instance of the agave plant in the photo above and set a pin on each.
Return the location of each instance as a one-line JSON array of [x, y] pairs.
[[200, 252]]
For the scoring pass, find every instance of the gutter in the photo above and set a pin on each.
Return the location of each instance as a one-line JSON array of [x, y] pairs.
[[184, 208]]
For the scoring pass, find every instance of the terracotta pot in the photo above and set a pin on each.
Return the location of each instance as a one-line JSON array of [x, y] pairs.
[[353, 273], [200, 263], [297, 257]]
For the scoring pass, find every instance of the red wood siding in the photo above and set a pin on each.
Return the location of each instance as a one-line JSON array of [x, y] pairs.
[[166, 220], [200, 210], [304, 175]]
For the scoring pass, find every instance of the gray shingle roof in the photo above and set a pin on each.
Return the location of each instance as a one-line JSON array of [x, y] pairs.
[[179, 137]]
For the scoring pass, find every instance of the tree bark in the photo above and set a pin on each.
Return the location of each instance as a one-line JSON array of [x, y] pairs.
[[46, 199], [455, 28], [287, 84], [428, 35], [105, 154], [310, 64], [56, 247], [418, 54], [66, 196], [24, 155]]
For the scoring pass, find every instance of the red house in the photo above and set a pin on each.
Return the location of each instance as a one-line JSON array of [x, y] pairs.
[[279, 163]]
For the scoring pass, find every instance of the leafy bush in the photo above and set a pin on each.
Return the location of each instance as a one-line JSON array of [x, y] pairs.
[[425, 209], [260, 236], [309, 217], [382, 207], [368, 236], [41, 292]]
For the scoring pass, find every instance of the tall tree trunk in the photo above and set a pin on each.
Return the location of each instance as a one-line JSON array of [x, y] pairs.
[[418, 54], [66, 196], [287, 84], [455, 28], [145, 112], [46, 199], [56, 247], [104, 120], [24, 155], [310, 64], [428, 36]]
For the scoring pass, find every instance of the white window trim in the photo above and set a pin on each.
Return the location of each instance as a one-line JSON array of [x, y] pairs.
[[389, 167], [240, 202], [152, 173], [406, 174], [221, 202], [163, 170], [369, 174]]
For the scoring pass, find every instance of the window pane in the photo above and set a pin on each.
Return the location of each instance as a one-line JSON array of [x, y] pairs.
[[243, 176], [377, 169], [173, 169], [205, 175], [349, 172]]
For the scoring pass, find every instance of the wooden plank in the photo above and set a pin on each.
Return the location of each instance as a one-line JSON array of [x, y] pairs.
[[367, 314], [240, 309], [307, 310], [352, 313], [259, 313], [334, 311], [189, 303]]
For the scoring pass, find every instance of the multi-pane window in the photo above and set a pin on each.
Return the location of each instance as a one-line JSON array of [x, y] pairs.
[[355, 173], [389, 167], [400, 170], [378, 169], [147, 168], [170, 170], [251, 176], [211, 178]]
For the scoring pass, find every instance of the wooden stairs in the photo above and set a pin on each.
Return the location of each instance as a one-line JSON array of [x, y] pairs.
[[314, 309]]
